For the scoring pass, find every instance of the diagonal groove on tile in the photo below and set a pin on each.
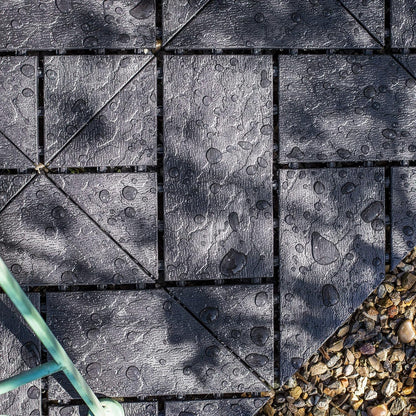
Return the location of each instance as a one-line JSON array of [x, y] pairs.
[[198, 8], [12, 194], [106, 233], [209, 314], [97, 112], [125, 207], [15, 149], [355, 14]]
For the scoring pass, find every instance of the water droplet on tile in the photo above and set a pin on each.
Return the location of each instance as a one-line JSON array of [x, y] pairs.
[[209, 314], [27, 70], [319, 187], [324, 251], [143, 10], [233, 221], [330, 295], [129, 193], [256, 360], [372, 211], [58, 213], [261, 299], [259, 335], [213, 155], [104, 195], [94, 370], [33, 392], [232, 263], [130, 212], [133, 373], [347, 188]]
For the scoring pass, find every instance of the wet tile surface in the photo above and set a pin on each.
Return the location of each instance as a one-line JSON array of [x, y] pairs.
[[100, 110], [272, 24], [52, 241], [18, 117], [225, 407], [141, 343], [130, 409], [403, 218], [218, 159], [345, 108], [240, 316], [19, 351], [66, 24], [331, 253], [403, 21]]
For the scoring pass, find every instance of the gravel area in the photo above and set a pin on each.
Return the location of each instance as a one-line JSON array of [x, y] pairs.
[[369, 366]]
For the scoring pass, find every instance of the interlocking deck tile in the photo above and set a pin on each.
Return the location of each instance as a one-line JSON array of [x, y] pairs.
[[47, 240], [67, 24], [224, 407], [130, 409], [218, 167], [331, 253], [240, 316], [102, 109], [141, 343], [403, 213], [19, 351], [125, 205], [10, 186], [403, 21], [273, 24], [345, 108], [18, 116]]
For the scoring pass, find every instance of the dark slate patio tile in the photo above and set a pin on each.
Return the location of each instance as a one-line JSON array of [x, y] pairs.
[[20, 351], [403, 213], [272, 24], [403, 21], [224, 407], [339, 108], [47, 240], [218, 167], [100, 110], [18, 117], [130, 409], [331, 253], [141, 343], [124, 205], [65, 24], [240, 316]]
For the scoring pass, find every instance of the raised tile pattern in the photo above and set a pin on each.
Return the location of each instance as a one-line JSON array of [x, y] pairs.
[[403, 213], [19, 351], [346, 108], [240, 316], [331, 245], [224, 407], [218, 162], [273, 24], [68, 24], [18, 116], [48, 240], [100, 110], [141, 343]]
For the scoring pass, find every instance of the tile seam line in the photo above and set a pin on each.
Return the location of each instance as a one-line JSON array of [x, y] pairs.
[[229, 349], [360, 23], [18, 192], [85, 125], [16, 147], [176, 33], [143, 269]]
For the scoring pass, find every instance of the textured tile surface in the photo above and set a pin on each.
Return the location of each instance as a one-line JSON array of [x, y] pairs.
[[403, 213], [331, 253], [272, 24], [142, 342], [339, 108], [218, 144], [66, 24], [403, 22], [47, 240], [102, 108], [224, 407], [240, 316], [19, 351], [130, 409], [125, 206], [10, 186], [18, 116]]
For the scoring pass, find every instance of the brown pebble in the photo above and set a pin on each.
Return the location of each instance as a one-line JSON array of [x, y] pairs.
[[380, 410], [392, 311], [406, 332]]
